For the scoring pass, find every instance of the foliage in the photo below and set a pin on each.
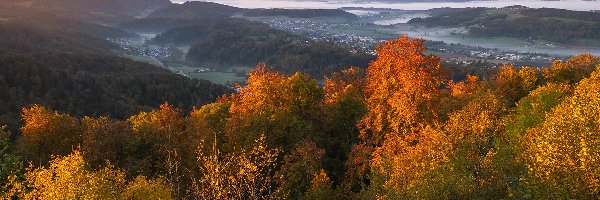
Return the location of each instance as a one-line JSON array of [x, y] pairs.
[[240, 175], [284, 108], [242, 42], [573, 70], [561, 154], [46, 132], [10, 165], [141, 188], [399, 130], [69, 177]]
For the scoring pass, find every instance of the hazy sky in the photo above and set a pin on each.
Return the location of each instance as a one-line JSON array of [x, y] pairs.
[[570, 4]]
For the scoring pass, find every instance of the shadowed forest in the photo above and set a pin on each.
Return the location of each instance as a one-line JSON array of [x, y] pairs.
[[398, 129]]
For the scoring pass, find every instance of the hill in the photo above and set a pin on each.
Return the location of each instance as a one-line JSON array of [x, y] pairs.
[[556, 25], [78, 74], [195, 9], [301, 13], [242, 42]]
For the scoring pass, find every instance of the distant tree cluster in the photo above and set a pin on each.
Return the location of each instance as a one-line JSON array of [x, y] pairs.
[[76, 73], [301, 13], [556, 25], [241, 42], [401, 129]]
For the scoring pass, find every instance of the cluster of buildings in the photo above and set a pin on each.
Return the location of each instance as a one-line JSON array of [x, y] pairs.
[[509, 56]]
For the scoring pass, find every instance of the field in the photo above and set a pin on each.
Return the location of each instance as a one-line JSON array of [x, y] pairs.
[[226, 77]]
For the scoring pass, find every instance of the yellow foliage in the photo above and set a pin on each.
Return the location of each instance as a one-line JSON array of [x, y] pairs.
[[462, 88], [69, 177], [572, 70], [512, 85], [404, 160], [562, 154], [239, 175], [143, 189], [46, 132]]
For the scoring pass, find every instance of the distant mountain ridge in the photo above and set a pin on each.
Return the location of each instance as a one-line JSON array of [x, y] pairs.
[[195, 9]]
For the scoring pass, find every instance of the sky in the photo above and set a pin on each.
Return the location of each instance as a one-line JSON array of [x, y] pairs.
[[333, 4]]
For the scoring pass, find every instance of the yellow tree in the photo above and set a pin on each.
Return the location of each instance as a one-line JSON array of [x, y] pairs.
[[572, 70], [512, 85], [46, 132], [69, 177], [529, 112], [237, 175], [283, 108], [562, 154], [143, 189]]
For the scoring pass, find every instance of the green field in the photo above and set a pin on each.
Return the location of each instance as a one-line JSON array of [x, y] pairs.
[[227, 76]]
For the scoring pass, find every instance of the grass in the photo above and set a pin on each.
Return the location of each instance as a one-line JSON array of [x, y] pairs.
[[227, 76]]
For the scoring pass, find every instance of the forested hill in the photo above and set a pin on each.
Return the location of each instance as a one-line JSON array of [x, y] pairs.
[[77, 73], [194, 9], [301, 13], [241, 42], [52, 22], [15, 38], [557, 25], [198, 9]]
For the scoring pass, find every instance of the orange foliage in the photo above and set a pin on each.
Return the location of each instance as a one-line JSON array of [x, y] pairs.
[[572, 70], [401, 84], [512, 85], [348, 82], [283, 108], [47, 132], [462, 89]]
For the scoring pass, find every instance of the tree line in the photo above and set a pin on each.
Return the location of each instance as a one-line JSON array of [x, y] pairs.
[[401, 129]]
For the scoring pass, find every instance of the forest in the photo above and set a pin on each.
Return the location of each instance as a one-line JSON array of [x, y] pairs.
[[397, 129], [77, 73], [242, 42], [556, 25]]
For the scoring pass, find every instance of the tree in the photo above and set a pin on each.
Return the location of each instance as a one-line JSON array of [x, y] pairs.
[[238, 175], [10, 166], [529, 113], [143, 189], [298, 169], [561, 154], [573, 70], [70, 177], [513, 85], [401, 87], [401, 84], [284, 108], [46, 132], [320, 188]]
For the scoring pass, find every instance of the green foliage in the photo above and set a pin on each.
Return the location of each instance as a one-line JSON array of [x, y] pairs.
[[11, 166], [557, 25], [241, 42], [143, 189]]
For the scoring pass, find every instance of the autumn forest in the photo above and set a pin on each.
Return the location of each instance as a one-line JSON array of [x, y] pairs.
[[399, 129]]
